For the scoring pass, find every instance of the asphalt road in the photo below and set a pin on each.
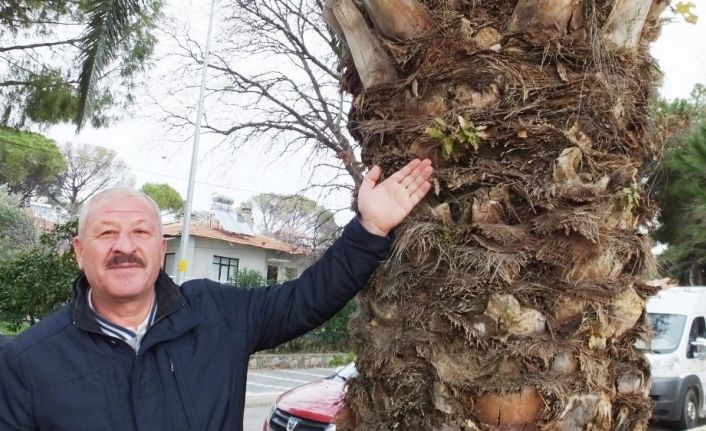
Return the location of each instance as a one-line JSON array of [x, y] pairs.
[[264, 386]]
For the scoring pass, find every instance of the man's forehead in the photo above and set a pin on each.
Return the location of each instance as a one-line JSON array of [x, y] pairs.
[[121, 217], [121, 206], [125, 211]]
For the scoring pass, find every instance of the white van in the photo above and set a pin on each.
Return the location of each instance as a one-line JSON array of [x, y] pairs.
[[677, 355]]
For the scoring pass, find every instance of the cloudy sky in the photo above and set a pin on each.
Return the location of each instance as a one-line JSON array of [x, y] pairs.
[[156, 157]]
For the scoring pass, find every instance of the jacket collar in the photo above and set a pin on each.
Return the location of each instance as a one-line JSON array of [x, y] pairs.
[[169, 300]]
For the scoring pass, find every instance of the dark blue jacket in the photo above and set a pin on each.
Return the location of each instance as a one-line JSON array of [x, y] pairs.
[[189, 374]]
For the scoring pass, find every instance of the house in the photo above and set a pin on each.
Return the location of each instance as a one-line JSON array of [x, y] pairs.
[[223, 242]]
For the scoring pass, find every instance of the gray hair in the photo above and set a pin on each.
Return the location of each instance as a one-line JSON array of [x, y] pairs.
[[86, 207]]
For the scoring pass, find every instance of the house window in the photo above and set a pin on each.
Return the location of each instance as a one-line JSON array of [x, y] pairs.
[[226, 268], [271, 274], [290, 273], [168, 264]]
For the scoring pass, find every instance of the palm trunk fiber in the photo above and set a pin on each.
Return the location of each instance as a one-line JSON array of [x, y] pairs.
[[516, 291]]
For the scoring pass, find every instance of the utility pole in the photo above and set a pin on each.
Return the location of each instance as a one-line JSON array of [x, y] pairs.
[[186, 224]]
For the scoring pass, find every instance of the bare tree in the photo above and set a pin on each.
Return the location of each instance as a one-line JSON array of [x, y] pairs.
[[294, 219], [89, 169], [273, 75]]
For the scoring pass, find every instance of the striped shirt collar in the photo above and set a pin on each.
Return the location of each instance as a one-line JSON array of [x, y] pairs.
[[132, 336]]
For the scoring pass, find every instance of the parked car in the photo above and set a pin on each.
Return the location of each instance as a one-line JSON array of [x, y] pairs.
[[677, 355], [310, 407]]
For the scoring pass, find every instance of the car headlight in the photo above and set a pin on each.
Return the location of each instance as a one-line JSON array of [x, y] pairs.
[[331, 427]]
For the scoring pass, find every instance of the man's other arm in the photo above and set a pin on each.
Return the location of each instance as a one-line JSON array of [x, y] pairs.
[[277, 314]]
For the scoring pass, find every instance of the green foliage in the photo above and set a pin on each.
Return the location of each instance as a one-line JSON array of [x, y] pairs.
[[17, 231], [341, 360], [50, 100], [109, 24], [680, 116], [166, 197], [332, 336], [8, 328], [16, 15], [455, 140], [28, 161], [339, 322], [290, 273], [684, 9], [248, 278], [683, 206], [48, 87], [34, 282]]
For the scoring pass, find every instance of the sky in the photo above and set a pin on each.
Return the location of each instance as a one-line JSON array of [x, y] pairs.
[[157, 156]]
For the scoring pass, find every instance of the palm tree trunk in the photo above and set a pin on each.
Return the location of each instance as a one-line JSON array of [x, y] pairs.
[[515, 293]]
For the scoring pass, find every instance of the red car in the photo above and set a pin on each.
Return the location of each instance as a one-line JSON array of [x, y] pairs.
[[310, 407]]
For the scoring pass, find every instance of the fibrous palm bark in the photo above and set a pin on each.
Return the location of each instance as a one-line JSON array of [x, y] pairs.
[[515, 293]]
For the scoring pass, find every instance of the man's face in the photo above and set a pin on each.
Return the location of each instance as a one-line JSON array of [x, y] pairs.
[[120, 249]]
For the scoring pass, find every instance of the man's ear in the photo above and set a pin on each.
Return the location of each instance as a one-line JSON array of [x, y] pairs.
[[78, 251], [163, 247]]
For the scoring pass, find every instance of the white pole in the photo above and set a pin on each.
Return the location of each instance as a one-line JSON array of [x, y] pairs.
[[186, 224]]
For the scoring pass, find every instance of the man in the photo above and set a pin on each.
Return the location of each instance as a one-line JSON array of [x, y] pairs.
[[135, 352]]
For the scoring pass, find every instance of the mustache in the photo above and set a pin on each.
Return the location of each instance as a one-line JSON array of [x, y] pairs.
[[121, 258]]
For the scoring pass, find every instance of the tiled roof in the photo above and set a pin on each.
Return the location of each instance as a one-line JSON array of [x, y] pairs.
[[202, 230]]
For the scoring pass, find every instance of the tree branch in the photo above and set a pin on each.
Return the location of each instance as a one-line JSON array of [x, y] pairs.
[[39, 45]]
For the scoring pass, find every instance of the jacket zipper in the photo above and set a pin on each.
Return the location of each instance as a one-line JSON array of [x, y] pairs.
[[159, 319], [181, 389]]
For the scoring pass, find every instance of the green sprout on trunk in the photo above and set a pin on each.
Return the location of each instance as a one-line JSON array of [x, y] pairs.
[[455, 140]]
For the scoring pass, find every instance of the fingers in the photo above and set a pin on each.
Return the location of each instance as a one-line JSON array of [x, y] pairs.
[[374, 174], [419, 169], [419, 180], [405, 171], [419, 194], [372, 177]]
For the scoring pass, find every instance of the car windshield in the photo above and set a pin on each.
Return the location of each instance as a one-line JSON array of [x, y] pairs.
[[667, 328], [346, 373]]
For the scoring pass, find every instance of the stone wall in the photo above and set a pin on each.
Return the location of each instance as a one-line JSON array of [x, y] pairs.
[[305, 360]]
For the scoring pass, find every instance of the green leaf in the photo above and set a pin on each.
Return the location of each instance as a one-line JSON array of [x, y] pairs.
[[448, 146], [464, 123], [108, 27], [684, 9], [435, 133]]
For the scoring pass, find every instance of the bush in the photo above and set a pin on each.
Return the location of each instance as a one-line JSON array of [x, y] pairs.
[[330, 337], [248, 278], [35, 282]]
